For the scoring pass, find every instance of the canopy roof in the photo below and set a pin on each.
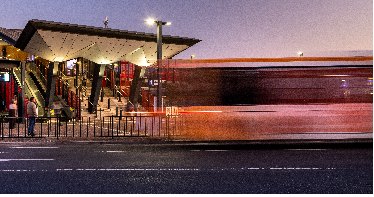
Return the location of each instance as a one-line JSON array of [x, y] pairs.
[[61, 41]]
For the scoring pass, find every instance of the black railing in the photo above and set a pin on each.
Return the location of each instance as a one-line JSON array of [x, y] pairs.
[[131, 125]]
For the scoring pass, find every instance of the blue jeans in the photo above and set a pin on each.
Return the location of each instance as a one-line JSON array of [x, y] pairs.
[[31, 125]]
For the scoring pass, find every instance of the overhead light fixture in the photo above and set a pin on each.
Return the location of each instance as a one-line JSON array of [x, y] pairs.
[[151, 21]]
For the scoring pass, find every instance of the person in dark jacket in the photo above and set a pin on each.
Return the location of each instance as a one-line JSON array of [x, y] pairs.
[[32, 113]]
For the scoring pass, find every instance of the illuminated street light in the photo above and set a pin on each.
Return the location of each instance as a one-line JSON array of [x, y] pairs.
[[159, 58], [192, 56], [300, 53]]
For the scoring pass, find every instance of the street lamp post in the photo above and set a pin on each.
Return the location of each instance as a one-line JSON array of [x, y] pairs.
[[159, 59]]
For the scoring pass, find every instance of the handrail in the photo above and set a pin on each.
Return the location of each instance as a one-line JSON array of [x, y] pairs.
[[93, 104], [121, 90]]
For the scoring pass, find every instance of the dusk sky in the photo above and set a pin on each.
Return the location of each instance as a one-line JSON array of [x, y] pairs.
[[227, 28]]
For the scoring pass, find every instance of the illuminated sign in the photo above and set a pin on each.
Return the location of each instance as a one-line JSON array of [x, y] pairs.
[[4, 77], [71, 63]]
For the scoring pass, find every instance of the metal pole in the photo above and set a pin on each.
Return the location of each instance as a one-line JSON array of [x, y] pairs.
[[73, 126], [2, 128], [80, 127], [159, 63], [23, 65], [89, 120]]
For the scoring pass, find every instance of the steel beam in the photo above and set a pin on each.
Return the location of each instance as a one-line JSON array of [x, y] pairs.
[[96, 87]]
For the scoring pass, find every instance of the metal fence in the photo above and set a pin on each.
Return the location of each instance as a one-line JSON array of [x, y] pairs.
[[107, 127]]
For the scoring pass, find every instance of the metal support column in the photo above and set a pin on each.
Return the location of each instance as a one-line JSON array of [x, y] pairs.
[[51, 83], [135, 87], [159, 63], [96, 86]]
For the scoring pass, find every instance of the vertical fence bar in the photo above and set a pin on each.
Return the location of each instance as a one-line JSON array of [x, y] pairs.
[[73, 127], [168, 125], [159, 125], [139, 124], [66, 128], [117, 128], [26, 125], [2, 128], [56, 130], [109, 125], [48, 127], [102, 124], [18, 125], [153, 118], [125, 129], [80, 126], [41, 128], [94, 127], [112, 125], [89, 119], [133, 123]]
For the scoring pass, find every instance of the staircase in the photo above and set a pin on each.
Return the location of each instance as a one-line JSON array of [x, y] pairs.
[[102, 106], [31, 90]]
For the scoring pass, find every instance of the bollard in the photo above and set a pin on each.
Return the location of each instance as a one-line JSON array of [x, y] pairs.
[[108, 103], [116, 111]]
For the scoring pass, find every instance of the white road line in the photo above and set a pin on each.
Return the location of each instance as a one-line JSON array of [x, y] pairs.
[[26, 159], [216, 150], [209, 150], [307, 149], [33, 147], [161, 169]]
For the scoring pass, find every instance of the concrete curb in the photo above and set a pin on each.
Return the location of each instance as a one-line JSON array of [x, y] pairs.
[[213, 145]]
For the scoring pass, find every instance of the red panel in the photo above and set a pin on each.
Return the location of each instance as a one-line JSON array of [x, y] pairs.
[[103, 84]]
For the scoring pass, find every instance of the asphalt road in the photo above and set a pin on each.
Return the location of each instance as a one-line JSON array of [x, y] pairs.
[[93, 167]]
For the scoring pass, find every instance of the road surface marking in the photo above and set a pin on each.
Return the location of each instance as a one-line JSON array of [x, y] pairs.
[[33, 147], [26, 159], [306, 149], [162, 169]]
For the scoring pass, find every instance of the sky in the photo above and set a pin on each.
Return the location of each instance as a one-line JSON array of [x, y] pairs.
[[227, 28]]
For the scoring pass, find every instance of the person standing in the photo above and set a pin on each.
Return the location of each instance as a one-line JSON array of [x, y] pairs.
[[12, 114], [32, 113]]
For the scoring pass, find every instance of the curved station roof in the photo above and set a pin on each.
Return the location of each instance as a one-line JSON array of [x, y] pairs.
[[61, 41]]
